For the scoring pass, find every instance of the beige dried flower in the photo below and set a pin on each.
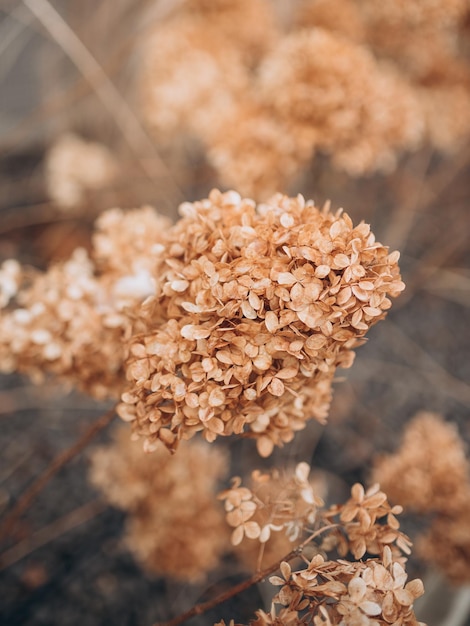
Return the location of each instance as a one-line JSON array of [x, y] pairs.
[[332, 91], [191, 77], [340, 593], [75, 166], [72, 319], [174, 524], [255, 308], [429, 472]]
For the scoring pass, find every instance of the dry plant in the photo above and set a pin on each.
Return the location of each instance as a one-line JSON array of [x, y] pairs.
[[220, 335]]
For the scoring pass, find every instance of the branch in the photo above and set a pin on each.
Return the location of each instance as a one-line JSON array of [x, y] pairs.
[[41, 481], [203, 607]]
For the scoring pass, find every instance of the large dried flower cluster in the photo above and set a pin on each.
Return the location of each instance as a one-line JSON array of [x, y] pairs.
[[359, 80], [430, 474], [374, 592], [255, 308], [71, 320], [174, 525], [75, 166], [424, 41]]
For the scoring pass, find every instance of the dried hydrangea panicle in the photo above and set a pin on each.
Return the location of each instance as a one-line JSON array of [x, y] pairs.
[[430, 471], [71, 320], [332, 91], [256, 307], [191, 76], [174, 526], [75, 166]]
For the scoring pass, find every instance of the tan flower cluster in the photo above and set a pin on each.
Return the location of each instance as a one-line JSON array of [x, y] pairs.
[[75, 166], [339, 593], [333, 91], [174, 526], [359, 80], [430, 474], [255, 308], [71, 320], [368, 524]]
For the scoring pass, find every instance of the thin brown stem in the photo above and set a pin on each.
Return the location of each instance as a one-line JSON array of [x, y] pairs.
[[41, 481], [203, 607], [52, 531]]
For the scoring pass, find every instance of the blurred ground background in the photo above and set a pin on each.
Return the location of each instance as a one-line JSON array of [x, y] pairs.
[[65, 564]]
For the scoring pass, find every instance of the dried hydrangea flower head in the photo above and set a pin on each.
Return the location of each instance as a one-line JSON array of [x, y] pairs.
[[174, 525], [74, 166], [365, 593], [375, 592], [255, 308], [191, 76], [332, 90], [71, 320], [429, 472]]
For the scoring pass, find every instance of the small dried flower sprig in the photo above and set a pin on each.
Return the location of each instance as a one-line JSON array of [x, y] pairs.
[[374, 592], [335, 593], [276, 502], [287, 504], [255, 308]]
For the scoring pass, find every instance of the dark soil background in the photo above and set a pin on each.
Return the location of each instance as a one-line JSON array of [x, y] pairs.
[[64, 563]]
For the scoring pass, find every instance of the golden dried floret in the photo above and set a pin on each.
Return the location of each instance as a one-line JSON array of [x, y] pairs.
[[255, 308], [174, 525]]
